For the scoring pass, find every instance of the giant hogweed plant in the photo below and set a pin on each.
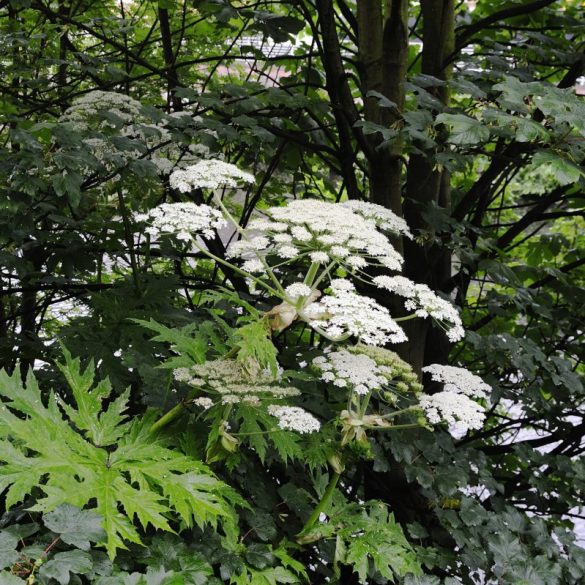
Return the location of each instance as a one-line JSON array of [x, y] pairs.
[[304, 378]]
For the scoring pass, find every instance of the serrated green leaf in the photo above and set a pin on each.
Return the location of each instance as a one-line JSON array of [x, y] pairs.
[[371, 535], [103, 428], [256, 350], [191, 342], [138, 479]]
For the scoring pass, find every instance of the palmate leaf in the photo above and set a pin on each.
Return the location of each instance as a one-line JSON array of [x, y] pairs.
[[191, 342], [258, 428], [59, 448], [256, 349], [369, 537]]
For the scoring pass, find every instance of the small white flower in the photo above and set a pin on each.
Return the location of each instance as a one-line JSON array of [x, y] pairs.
[[208, 174], [320, 257], [457, 410], [293, 418], [298, 289], [458, 380], [253, 266], [282, 238], [339, 251], [203, 402], [287, 252], [300, 233], [356, 262]]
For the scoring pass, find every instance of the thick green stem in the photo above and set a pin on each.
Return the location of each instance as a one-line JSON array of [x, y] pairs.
[[312, 272], [405, 318], [323, 274], [169, 417], [322, 505]]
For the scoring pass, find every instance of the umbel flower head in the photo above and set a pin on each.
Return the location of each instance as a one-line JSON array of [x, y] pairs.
[[230, 382], [325, 232], [457, 410], [363, 369], [209, 174], [356, 372], [454, 405], [344, 313], [459, 380], [116, 129], [118, 106], [294, 418], [424, 303], [184, 220]]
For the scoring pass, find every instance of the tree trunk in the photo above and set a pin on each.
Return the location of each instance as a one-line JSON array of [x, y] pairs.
[[426, 185], [383, 60]]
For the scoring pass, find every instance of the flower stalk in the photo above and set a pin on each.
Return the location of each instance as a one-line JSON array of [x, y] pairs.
[[303, 537]]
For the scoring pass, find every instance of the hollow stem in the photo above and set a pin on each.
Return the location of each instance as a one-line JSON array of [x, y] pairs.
[[406, 318], [168, 417], [322, 505]]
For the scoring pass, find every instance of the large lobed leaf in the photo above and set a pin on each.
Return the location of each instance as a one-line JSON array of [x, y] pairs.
[[62, 449]]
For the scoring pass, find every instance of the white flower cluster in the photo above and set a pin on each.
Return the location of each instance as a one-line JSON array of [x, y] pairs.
[[229, 379], [294, 418], [208, 174], [203, 402], [454, 405], [424, 302], [104, 116], [91, 104], [346, 313], [384, 218], [324, 232], [297, 290], [459, 380], [354, 371], [184, 220], [455, 409]]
